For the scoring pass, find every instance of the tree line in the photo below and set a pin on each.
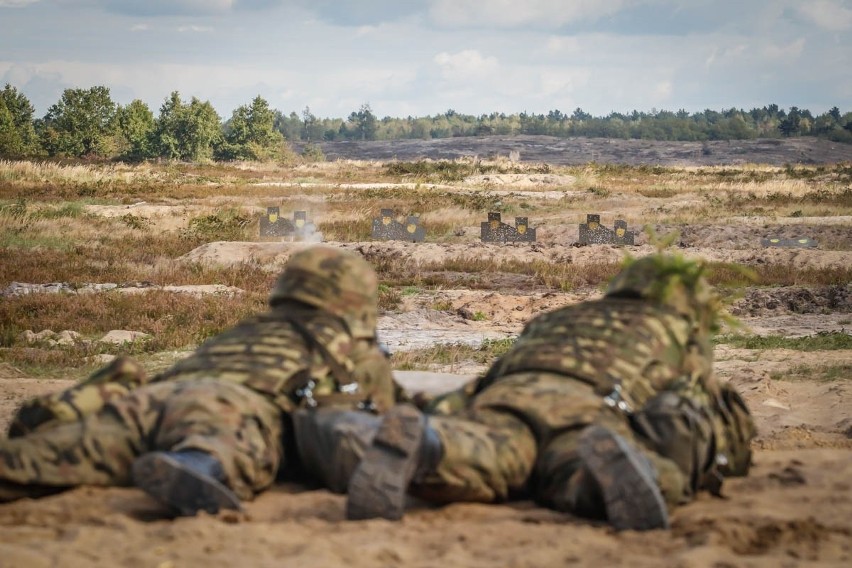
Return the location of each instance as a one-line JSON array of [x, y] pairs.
[[88, 123]]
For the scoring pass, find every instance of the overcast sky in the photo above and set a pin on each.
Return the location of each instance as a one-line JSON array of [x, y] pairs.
[[419, 57]]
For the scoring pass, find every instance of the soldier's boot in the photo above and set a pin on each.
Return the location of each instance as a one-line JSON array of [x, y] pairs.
[[404, 449], [189, 481], [626, 480], [331, 442]]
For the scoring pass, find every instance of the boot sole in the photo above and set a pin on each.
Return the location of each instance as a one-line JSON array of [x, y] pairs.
[[633, 500], [171, 482], [379, 485]]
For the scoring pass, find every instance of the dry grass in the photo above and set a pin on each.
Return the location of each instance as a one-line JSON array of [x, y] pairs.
[[726, 275], [822, 373], [175, 320], [451, 354]]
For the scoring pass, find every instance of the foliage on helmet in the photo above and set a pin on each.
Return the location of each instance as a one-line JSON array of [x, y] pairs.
[[335, 280], [672, 280]]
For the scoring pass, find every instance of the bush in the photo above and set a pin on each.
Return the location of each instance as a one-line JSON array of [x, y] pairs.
[[223, 225]]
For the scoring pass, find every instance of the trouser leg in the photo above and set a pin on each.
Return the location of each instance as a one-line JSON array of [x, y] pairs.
[[106, 385], [487, 455], [97, 450], [239, 427], [565, 484]]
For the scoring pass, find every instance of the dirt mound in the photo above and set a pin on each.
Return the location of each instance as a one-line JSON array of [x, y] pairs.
[[274, 255], [522, 181], [794, 300], [748, 236]]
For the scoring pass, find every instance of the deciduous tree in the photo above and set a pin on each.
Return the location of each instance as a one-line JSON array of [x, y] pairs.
[[136, 129], [81, 123], [187, 131], [251, 133], [17, 136], [364, 123]]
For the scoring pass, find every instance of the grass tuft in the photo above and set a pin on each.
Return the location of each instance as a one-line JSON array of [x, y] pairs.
[[826, 373], [452, 354], [822, 341]]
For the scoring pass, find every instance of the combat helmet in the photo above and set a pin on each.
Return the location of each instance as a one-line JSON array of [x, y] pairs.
[[670, 280], [334, 280]]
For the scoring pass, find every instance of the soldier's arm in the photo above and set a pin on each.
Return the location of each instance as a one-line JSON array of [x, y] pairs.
[[372, 370], [735, 430], [447, 403]]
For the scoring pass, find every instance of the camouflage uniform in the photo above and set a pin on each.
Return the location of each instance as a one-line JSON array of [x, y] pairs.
[[231, 399], [637, 362]]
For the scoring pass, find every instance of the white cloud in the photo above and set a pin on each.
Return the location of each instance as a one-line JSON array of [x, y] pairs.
[[365, 30], [562, 45], [16, 3], [721, 56], [788, 51], [175, 6], [515, 13], [139, 28], [556, 82], [465, 65], [20, 74], [194, 29], [663, 91], [711, 59], [827, 14]]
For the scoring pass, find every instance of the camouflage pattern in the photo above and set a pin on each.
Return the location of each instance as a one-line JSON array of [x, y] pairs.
[[269, 355], [337, 281], [638, 361], [110, 383], [238, 426], [496, 231], [674, 282], [229, 398]]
